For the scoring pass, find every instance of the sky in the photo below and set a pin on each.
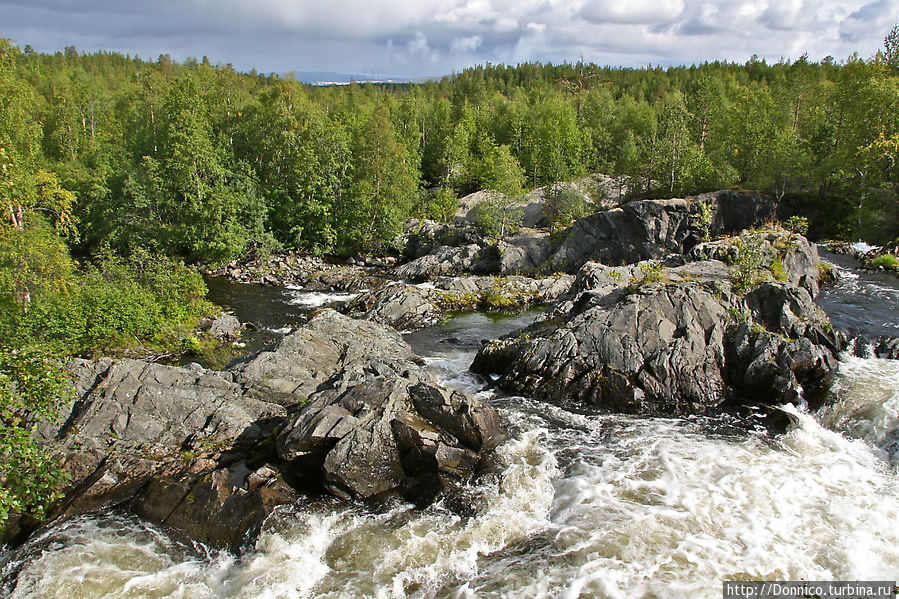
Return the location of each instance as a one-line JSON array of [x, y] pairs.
[[422, 38]]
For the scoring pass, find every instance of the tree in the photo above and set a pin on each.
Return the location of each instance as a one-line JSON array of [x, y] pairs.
[[32, 389], [300, 159], [503, 178], [384, 185], [891, 47]]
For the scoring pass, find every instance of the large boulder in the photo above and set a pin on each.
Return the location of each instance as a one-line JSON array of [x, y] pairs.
[[653, 229], [679, 340], [338, 404]]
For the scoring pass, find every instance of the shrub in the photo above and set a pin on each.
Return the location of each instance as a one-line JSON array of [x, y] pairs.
[[652, 273], [32, 388], [747, 271], [564, 204], [116, 303], [888, 261], [797, 224], [438, 204]]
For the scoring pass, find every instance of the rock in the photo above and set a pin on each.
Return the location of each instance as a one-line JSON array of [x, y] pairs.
[[653, 229], [445, 261], [887, 349], [225, 326], [526, 251], [212, 453], [784, 256], [637, 231], [683, 344], [403, 307], [473, 423], [406, 307]]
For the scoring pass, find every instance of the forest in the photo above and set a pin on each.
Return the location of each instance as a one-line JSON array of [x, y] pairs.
[[116, 172]]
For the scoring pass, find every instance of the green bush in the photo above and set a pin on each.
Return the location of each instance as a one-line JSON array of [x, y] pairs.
[[32, 388], [748, 271], [797, 224], [439, 204], [116, 303], [652, 273], [888, 261]]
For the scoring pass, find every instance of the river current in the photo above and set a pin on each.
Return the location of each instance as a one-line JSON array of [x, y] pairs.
[[586, 505]]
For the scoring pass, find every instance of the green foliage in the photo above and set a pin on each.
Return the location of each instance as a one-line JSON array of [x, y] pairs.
[[749, 265], [703, 218], [201, 161], [382, 188], [797, 224], [652, 273], [888, 261], [438, 204], [777, 270], [32, 390], [826, 272], [564, 204], [501, 175], [143, 301]]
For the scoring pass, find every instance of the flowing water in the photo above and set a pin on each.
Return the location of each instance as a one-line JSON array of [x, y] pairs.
[[586, 505]]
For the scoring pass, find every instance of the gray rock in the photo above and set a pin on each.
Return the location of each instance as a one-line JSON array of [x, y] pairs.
[[653, 229], [443, 261], [795, 258], [683, 345], [211, 453], [406, 307]]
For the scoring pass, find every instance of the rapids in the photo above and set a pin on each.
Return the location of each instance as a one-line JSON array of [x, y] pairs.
[[586, 505]]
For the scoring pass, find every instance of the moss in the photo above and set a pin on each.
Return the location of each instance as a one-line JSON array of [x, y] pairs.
[[777, 270], [826, 272], [738, 314], [496, 298]]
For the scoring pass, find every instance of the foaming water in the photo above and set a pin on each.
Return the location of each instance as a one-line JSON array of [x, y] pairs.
[[866, 403], [115, 556], [311, 299], [584, 505]]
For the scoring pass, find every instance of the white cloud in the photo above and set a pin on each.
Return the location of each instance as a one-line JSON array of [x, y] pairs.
[[632, 12], [462, 45], [871, 17]]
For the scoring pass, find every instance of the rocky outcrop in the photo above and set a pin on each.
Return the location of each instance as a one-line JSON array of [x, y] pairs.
[[523, 252], [653, 229], [406, 307], [774, 254], [339, 404], [642, 230], [676, 340], [446, 261]]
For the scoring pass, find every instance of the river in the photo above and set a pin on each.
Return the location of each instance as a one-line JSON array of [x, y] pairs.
[[587, 504]]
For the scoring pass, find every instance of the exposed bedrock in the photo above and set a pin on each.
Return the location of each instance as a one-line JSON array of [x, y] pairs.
[[341, 405]]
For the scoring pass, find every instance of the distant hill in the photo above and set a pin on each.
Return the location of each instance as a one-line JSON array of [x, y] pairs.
[[331, 78]]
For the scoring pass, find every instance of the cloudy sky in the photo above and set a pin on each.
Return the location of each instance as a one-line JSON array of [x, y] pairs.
[[412, 38]]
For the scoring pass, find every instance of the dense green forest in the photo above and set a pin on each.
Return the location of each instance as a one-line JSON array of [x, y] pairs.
[[203, 162], [114, 169]]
